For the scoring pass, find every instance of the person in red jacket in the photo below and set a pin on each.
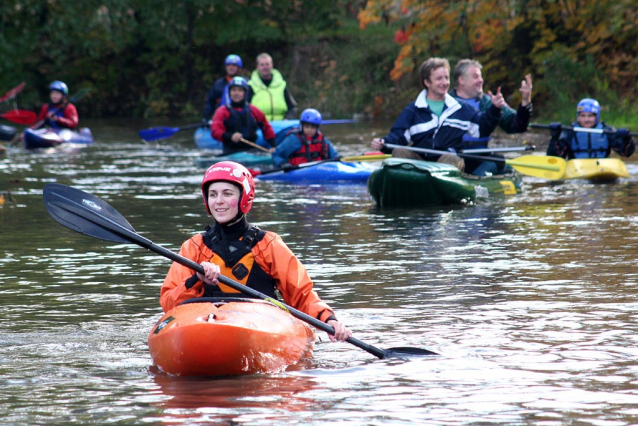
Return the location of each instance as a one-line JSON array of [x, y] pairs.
[[239, 120], [234, 248], [59, 112]]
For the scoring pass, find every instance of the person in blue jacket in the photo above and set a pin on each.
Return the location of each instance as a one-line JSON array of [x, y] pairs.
[[218, 93], [597, 143], [304, 145], [438, 121]]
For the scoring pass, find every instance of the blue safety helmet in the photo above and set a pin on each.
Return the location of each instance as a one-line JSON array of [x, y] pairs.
[[233, 60], [589, 105], [60, 87], [311, 116], [238, 82]]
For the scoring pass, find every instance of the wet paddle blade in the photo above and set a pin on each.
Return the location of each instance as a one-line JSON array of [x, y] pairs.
[[19, 116], [406, 352], [84, 213], [13, 92], [162, 132], [543, 166], [157, 133]]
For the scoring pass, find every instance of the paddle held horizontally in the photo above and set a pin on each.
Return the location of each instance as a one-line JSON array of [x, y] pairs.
[[89, 215], [542, 166]]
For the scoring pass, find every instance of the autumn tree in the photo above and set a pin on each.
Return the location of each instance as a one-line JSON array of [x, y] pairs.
[[573, 48]]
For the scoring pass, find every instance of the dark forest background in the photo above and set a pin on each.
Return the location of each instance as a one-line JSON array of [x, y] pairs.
[[143, 58]]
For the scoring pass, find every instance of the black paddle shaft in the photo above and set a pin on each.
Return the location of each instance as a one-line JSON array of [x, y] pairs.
[[89, 215], [437, 152], [579, 129]]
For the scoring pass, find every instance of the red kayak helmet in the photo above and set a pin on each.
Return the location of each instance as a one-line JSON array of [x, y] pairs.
[[232, 172]]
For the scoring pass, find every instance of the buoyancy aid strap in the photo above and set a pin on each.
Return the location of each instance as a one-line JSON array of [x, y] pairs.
[[238, 269]]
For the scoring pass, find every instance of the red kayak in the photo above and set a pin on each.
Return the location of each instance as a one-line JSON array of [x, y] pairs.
[[229, 336]]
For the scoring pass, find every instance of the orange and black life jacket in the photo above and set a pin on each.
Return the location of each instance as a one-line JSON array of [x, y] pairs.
[[237, 262]]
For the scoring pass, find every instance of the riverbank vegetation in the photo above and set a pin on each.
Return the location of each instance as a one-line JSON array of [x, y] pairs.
[[143, 58]]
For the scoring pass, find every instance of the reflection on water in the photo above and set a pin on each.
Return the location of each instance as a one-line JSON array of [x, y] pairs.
[[531, 301]]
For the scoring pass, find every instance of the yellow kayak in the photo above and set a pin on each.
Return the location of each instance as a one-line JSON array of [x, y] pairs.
[[598, 169]]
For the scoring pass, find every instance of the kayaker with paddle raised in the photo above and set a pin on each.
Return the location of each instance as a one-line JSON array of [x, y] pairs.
[[304, 145], [469, 89], [218, 93], [59, 112], [234, 248], [239, 120], [597, 143], [438, 121]]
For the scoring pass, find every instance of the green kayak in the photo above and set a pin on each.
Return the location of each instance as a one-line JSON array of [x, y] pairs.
[[401, 182]]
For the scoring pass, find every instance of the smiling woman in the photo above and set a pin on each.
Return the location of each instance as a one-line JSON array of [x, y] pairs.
[[234, 248]]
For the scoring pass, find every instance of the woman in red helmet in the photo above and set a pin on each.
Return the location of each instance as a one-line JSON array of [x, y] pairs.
[[236, 249]]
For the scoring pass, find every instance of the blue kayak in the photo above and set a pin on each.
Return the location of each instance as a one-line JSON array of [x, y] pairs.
[[247, 158], [322, 172], [46, 137], [7, 133], [204, 140]]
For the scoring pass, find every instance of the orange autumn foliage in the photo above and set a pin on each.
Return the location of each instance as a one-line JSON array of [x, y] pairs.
[[513, 37]]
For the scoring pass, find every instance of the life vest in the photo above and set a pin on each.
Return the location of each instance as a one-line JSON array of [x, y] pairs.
[[58, 111], [590, 145], [470, 141], [269, 99], [314, 150], [236, 261], [242, 122]]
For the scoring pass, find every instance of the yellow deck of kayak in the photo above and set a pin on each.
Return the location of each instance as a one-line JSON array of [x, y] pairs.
[[596, 169]]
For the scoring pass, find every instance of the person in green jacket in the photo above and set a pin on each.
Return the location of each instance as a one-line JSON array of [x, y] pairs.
[[468, 83], [269, 91]]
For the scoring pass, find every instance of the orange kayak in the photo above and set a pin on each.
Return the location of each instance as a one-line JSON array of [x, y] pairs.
[[230, 336]]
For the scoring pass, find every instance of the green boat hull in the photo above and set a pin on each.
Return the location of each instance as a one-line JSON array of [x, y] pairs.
[[402, 182]]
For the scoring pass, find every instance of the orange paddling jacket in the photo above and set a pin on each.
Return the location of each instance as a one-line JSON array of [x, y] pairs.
[[259, 259]]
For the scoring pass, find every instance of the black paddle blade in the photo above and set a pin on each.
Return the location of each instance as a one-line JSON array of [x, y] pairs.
[[405, 352], [85, 213]]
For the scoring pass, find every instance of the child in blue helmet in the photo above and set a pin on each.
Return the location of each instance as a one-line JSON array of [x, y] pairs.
[[218, 93], [595, 143], [304, 145], [59, 113]]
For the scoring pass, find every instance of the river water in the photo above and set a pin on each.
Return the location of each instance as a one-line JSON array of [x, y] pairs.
[[531, 301]]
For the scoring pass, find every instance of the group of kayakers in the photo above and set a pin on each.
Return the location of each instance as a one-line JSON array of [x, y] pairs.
[[442, 120], [240, 107], [451, 121]]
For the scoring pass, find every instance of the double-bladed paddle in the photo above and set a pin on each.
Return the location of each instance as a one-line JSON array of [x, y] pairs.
[[75, 98], [544, 166], [579, 129], [502, 149], [13, 92], [348, 159], [163, 132], [92, 216], [20, 116]]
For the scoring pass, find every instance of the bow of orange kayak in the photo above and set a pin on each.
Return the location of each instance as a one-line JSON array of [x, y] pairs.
[[221, 337]]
